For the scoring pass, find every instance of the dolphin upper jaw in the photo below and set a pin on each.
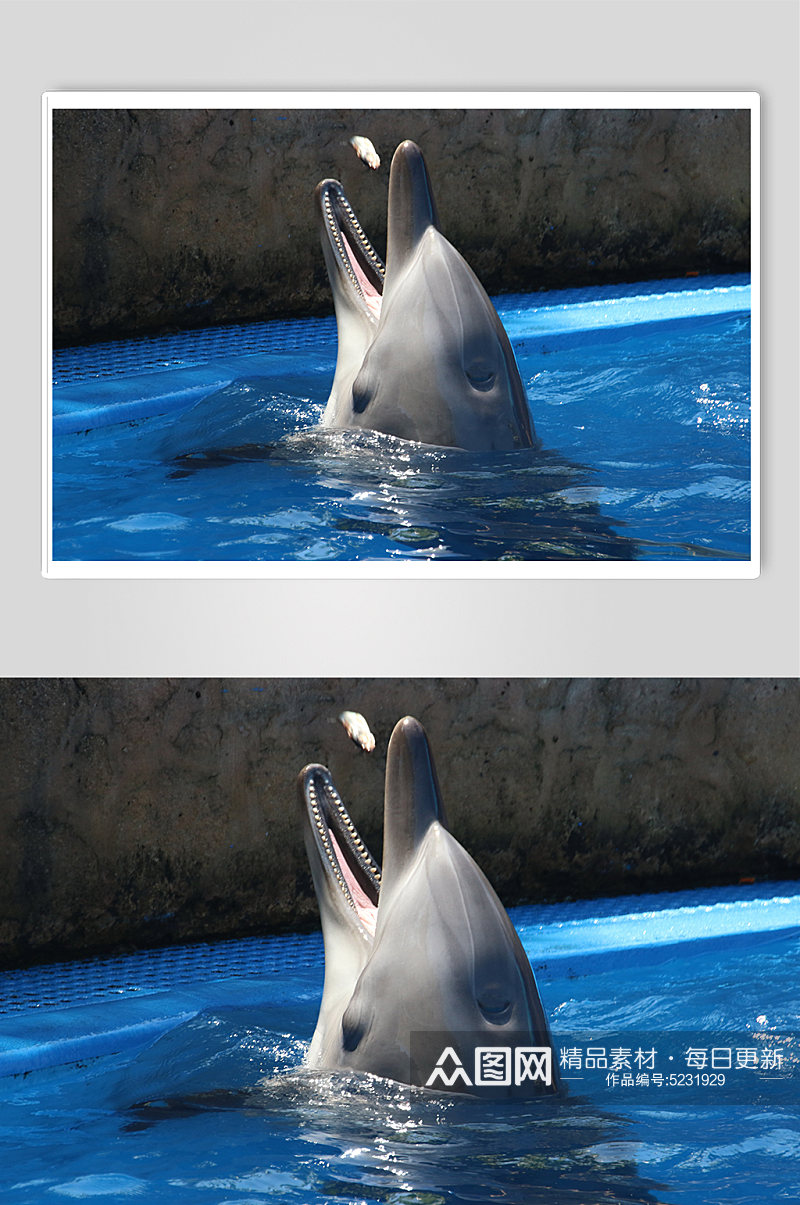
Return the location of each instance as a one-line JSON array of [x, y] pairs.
[[428, 359], [412, 209], [442, 957]]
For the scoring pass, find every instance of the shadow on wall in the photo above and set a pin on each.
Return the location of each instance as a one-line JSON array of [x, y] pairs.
[[187, 218], [143, 811]]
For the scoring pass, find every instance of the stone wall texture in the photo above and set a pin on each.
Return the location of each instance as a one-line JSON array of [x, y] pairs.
[[183, 218], [135, 812]]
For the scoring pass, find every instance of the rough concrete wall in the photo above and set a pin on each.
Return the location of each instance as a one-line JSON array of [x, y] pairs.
[[182, 218], [142, 811]]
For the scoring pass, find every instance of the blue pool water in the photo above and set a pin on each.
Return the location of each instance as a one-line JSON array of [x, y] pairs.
[[203, 447], [175, 1075]]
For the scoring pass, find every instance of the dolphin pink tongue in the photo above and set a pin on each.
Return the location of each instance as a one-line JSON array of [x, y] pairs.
[[367, 912], [371, 295]]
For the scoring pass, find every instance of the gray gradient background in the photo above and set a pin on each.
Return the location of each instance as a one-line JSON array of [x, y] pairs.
[[371, 628]]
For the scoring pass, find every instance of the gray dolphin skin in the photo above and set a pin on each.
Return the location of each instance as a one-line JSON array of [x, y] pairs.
[[422, 354], [420, 955]]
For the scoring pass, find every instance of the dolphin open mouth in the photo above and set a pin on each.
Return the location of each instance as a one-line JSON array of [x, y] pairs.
[[347, 862], [354, 254]]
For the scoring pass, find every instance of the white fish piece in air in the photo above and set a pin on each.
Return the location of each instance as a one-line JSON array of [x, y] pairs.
[[365, 151], [357, 729]]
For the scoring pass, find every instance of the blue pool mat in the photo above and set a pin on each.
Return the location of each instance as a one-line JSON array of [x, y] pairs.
[[60, 985], [62, 1013], [188, 349]]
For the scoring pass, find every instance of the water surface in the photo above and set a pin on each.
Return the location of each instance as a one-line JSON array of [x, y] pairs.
[[206, 449]]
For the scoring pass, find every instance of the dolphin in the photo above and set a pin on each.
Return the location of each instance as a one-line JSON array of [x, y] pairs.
[[422, 354], [422, 964]]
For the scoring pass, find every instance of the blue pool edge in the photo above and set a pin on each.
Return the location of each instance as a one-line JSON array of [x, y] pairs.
[[585, 937]]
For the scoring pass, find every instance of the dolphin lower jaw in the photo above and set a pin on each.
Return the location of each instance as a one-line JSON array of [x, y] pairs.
[[350, 873], [359, 269]]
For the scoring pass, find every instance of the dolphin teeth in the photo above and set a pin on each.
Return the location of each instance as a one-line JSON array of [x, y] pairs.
[[355, 229], [347, 858]]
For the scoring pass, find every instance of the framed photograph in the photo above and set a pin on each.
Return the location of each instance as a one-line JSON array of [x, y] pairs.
[[401, 335]]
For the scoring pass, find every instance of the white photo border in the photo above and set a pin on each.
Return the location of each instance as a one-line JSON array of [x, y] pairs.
[[435, 569]]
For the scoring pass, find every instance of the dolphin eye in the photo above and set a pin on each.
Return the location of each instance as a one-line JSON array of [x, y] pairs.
[[480, 375], [495, 1009]]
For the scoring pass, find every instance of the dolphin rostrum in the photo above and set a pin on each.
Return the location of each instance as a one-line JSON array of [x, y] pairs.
[[422, 354], [423, 968]]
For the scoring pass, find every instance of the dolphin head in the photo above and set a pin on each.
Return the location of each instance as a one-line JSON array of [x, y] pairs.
[[420, 955], [422, 353]]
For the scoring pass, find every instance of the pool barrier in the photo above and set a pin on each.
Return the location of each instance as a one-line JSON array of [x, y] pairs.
[[127, 380]]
